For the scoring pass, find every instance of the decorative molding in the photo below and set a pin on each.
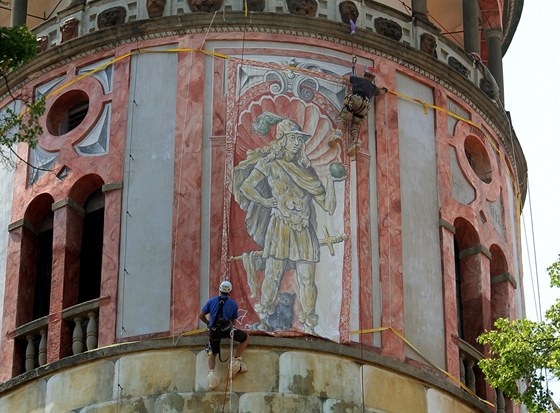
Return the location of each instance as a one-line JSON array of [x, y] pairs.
[[443, 223], [111, 186], [477, 249], [22, 223], [68, 202], [505, 277]]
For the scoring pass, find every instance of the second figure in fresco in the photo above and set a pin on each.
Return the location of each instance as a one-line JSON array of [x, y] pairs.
[[278, 188]]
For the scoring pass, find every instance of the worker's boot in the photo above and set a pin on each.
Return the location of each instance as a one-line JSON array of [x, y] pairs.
[[237, 366], [213, 380]]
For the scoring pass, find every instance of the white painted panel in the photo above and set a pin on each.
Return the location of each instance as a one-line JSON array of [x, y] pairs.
[[422, 277], [145, 267]]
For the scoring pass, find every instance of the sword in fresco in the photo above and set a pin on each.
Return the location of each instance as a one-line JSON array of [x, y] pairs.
[[329, 241]]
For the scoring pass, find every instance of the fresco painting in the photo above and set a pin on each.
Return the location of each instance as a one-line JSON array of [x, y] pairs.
[[288, 245]]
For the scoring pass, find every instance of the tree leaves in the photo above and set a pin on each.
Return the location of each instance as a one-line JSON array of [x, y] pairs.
[[525, 354], [17, 46], [21, 127]]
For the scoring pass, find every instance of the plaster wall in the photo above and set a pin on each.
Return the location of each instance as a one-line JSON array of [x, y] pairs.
[[145, 272], [374, 229], [516, 270], [7, 179], [422, 275]]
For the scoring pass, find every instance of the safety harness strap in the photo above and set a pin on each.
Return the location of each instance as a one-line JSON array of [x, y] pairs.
[[219, 320]]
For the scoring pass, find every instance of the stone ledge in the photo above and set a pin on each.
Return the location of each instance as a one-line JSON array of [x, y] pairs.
[[196, 344]]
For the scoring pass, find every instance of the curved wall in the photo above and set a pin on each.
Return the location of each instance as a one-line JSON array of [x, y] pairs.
[[421, 236]]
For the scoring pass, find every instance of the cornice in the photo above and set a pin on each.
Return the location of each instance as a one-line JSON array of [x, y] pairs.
[[512, 15]]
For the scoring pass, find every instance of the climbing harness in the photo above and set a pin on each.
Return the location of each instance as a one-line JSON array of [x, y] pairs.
[[218, 326]]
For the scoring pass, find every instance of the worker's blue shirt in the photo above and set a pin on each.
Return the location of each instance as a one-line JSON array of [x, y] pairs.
[[213, 304]]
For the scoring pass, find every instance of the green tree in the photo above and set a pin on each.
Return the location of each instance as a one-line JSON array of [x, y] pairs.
[[17, 46], [525, 354]]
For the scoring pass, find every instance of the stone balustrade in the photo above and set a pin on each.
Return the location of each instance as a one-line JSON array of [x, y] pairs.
[[85, 17], [85, 330], [469, 358], [31, 338]]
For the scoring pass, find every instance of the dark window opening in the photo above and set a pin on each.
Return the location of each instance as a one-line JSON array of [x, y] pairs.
[[76, 114], [458, 294], [91, 255], [67, 112], [43, 274]]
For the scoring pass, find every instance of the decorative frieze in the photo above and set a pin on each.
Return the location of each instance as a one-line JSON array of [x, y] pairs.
[[348, 11], [155, 8], [428, 44], [457, 66], [303, 7], [205, 5], [115, 16], [42, 43], [69, 29], [388, 28]]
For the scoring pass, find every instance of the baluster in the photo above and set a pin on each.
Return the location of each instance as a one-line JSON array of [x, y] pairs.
[[500, 402], [470, 380], [30, 353], [77, 337], [43, 347], [91, 332]]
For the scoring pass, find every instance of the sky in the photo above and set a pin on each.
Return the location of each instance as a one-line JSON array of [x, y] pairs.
[[531, 86]]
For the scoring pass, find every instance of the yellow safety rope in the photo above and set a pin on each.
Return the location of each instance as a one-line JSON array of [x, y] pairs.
[[425, 105], [409, 344], [355, 332]]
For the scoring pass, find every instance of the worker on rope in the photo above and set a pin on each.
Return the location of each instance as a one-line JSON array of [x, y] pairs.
[[223, 312], [356, 106]]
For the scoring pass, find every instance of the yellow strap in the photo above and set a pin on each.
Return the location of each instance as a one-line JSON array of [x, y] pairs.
[[409, 344], [355, 332], [425, 107]]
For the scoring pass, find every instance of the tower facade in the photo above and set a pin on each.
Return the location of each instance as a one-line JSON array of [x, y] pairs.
[[187, 142]]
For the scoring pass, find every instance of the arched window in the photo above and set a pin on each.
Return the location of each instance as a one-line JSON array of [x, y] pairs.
[[43, 267], [467, 275], [92, 247], [34, 283], [502, 294], [36, 261], [472, 302]]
